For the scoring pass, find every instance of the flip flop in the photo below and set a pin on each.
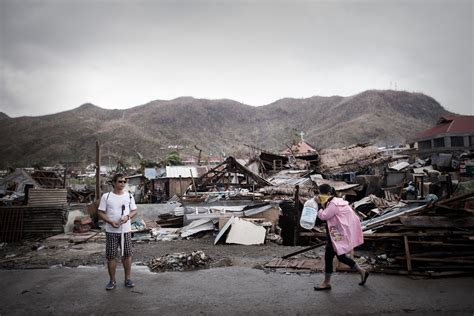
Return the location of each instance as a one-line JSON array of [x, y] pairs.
[[318, 288], [366, 275]]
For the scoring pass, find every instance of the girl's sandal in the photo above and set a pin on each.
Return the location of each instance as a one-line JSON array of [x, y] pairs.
[[322, 288]]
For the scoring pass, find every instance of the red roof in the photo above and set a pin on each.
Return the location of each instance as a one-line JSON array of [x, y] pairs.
[[301, 148], [451, 124]]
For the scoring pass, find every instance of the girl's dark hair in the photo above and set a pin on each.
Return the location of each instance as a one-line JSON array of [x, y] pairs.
[[327, 189]]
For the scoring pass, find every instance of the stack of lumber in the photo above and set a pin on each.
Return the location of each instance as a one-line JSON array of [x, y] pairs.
[[429, 239]]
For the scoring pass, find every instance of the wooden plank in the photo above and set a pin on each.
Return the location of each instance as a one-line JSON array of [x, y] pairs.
[[310, 264], [407, 253], [436, 221], [410, 234], [427, 273], [304, 250], [468, 234], [437, 260], [443, 254], [455, 198], [444, 267], [440, 243]]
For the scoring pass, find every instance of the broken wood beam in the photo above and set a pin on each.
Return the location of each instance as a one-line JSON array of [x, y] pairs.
[[436, 221], [407, 253], [440, 243], [447, 260], [304, 250]]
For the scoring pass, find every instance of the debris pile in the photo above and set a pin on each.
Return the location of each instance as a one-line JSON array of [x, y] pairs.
[[433, 239], [416, 210], [180, 261], [354, 158]]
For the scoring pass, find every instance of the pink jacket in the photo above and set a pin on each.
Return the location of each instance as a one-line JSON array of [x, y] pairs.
[[344, 225]]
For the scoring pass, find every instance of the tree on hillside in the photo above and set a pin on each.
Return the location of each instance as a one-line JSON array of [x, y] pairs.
[[172, 159], [122, 166], [147, 163]]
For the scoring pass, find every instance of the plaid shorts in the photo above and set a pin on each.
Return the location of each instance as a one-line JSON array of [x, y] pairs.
[[112, 241]]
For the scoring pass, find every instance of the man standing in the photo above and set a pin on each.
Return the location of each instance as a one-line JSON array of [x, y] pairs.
[[116, 208]]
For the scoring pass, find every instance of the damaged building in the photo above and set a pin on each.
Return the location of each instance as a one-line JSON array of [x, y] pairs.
[[410, 208]]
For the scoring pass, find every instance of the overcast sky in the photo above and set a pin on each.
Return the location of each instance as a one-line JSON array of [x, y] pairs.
[[59, 54]]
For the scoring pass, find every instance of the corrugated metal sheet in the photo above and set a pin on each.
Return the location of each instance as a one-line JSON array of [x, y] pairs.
[[257, 210], [291, 181], [337, 185], [291, 177], [18, 222], [177, 171], [43, 221], [11, 224], [40, 197]]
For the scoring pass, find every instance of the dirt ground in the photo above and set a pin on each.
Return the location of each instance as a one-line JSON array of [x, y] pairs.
[[47, 253]]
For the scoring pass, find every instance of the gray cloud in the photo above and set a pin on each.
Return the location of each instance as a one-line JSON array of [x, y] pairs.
[[57, 55]]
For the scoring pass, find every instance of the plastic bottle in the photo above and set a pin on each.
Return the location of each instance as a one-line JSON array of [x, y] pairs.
[[309, 213]]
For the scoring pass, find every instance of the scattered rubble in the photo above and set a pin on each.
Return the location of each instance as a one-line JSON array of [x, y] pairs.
[[180, 261], [416, 214]]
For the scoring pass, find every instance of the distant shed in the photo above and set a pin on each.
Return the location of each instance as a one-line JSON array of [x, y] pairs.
[[17, 182]]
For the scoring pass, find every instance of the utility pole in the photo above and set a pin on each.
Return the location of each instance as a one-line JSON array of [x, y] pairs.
[[97, 170], [65, 174], [199, 157]]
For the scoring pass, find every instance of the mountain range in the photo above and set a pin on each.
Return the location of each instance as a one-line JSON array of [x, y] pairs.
[[218, 127]]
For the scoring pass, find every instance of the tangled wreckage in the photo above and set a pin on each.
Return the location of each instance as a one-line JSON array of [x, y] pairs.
[[417, 216]]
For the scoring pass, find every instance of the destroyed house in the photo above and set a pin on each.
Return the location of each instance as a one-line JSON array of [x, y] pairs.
[[48, 179], [135, 180], [172, 180], [304, 152], [178, 178], [17, 182], [454, 133], [229, 173], [300, 149], [272, 162]]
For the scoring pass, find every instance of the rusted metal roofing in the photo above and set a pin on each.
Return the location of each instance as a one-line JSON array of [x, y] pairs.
[[302, 148]]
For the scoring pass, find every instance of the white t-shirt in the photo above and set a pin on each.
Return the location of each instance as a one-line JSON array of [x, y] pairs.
[[111, 204]]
